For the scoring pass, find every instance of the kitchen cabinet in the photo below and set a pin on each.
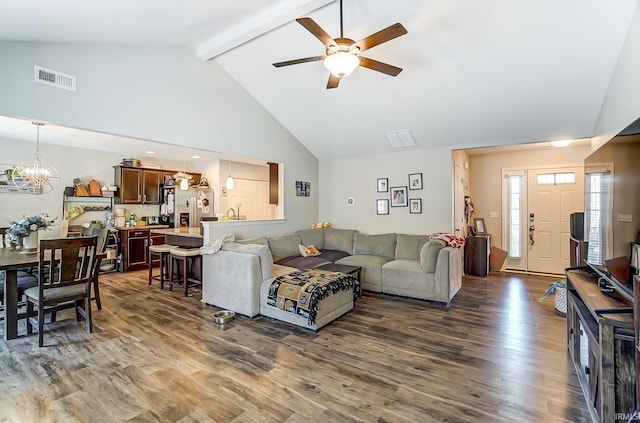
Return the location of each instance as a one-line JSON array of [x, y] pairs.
[[138, 185], [134, 247]]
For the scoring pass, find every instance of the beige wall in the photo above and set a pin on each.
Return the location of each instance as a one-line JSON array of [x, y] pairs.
[[485, 178]]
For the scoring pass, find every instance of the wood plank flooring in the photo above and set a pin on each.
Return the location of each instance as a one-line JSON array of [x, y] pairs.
[[495, 355]]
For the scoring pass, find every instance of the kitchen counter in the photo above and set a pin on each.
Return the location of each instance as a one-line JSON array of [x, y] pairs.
[[133, 228], [182, 237], [187, 232]]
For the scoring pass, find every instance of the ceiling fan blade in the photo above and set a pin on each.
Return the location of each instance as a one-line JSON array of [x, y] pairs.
[[296, 61], [379, 66], [315, 29], [389, 33], [333, 81]]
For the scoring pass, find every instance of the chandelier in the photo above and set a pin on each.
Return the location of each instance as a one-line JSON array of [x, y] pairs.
[[36, 177]]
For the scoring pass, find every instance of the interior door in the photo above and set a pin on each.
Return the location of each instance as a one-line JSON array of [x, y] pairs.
[[553, 194]]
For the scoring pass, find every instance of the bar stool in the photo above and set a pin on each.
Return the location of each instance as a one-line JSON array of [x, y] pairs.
[[186, 256], [162, 251]]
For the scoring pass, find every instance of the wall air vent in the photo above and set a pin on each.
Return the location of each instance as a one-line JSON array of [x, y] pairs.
[[55, 78]]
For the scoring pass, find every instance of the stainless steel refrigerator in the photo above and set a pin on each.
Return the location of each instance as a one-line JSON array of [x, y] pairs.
[[186, 208]]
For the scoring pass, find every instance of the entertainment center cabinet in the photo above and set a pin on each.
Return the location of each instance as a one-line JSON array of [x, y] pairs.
[[600, 337]]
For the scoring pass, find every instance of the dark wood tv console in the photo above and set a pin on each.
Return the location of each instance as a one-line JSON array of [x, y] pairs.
[[600, 337]]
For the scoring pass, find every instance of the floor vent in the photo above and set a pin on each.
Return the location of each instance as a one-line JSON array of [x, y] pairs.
[[55, 78]]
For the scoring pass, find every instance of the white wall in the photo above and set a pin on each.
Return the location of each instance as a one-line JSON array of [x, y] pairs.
[[622, 103], [160, 94], [485, 178], [356, 177]]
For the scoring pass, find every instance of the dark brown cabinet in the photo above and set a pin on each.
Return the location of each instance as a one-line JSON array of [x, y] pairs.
[[138, 185], [134, 246], [476, 255]]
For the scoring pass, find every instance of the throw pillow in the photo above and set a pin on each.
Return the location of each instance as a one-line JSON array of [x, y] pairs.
[[309, 251]]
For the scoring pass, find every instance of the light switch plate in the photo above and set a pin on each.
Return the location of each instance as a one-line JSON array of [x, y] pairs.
[[625, 218], [494, 214]]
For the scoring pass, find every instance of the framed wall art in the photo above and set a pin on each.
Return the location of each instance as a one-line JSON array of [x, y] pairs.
[[415, 205], [383, 185], [478, 226], [415, 181], [399, 196], [382, 206]]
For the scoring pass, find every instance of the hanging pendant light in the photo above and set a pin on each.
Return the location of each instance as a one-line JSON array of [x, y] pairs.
[[184, 182], [229, 183], [36, 177]]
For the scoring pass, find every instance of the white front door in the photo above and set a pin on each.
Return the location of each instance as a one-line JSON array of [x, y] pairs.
[[553, 194]]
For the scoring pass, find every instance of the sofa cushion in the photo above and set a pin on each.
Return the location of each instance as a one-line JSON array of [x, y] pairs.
[[371, 274], [262, 251], [429, 254], [284, 246], [408, 246], [313, 237], [383, 245], [302, 263], [339, 239], [333, 255], [407, 278], [262, 240]]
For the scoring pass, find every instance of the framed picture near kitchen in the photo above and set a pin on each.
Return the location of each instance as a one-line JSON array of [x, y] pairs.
[[383, 185]]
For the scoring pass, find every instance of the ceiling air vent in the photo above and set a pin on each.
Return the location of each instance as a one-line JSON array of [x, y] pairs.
[[55, 78], [400, 139]]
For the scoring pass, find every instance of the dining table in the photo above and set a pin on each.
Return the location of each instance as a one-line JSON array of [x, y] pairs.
[[11, 260]]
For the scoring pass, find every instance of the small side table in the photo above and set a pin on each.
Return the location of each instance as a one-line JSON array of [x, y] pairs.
[[476, 255]]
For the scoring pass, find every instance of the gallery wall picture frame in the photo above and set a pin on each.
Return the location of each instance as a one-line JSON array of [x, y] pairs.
[[303, 189], [399, 196], [415, 181], [415, 205], [383, 185], [479, 226], [382, 206]]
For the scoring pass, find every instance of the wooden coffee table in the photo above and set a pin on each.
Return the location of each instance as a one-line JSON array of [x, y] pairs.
[[354, 271]]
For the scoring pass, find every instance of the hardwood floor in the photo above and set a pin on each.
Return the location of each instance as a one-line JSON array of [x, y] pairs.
[[496, 355]]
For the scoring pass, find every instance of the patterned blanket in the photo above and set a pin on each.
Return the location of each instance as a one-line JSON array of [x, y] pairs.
[[299, 292]]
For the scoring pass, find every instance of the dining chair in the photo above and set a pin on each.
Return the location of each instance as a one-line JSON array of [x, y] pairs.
[[65, 275], [25, 281], [3, 237], [101, 254]]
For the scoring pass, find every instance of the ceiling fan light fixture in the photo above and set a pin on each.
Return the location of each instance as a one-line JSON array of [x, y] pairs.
[[561, 143], [341, 64]]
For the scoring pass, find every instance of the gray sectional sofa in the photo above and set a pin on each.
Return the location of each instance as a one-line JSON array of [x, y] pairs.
[[400, 264]]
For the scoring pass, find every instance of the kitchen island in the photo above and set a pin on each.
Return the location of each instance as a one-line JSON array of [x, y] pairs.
[[182, 237]]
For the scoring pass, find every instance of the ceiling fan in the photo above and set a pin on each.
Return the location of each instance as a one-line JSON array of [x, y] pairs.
[[342, 54]]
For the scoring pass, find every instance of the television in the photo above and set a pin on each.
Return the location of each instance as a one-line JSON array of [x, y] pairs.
[[612, 210]]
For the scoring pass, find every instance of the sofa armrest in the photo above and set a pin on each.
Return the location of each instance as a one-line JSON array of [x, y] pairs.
[[448, 273], [231, 281]]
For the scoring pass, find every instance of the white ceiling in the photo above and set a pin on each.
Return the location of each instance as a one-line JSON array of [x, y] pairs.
[[495, 72]]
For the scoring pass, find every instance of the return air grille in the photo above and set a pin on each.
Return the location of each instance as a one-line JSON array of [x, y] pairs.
[[55, 78]]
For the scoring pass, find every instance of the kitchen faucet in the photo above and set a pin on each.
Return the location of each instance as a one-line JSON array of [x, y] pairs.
[[231, 210]]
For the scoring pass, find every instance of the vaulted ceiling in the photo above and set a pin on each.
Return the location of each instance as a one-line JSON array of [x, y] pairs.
[[494, 72]]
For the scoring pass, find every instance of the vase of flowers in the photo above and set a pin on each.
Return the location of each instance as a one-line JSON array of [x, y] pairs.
[[25, 231], [559, 290]]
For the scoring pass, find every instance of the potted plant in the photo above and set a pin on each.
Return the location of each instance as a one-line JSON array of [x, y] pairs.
[[559, 290], [25, 231]]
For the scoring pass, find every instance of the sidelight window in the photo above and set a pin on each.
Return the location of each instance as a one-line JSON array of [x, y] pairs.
[[598, 215], [514, 215]]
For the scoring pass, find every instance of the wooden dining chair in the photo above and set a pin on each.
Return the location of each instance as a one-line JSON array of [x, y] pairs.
[[65, 275], [101, 254], [4, 238]]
